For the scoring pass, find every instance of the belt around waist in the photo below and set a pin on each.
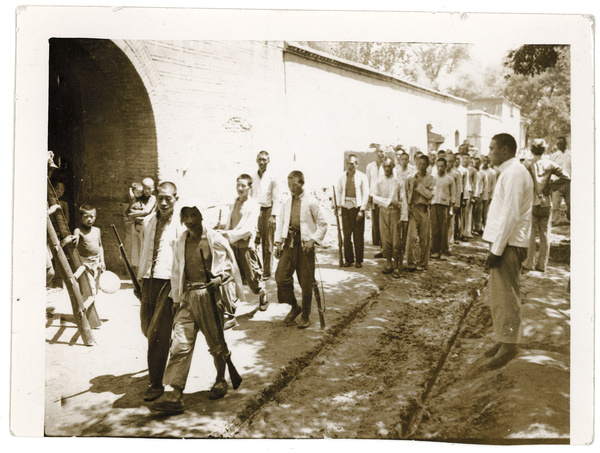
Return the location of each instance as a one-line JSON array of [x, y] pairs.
[[424, 207], [190, 286], [264, 208]]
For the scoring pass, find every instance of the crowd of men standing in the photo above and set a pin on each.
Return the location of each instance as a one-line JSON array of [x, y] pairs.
[[417, 209], [192, 276]]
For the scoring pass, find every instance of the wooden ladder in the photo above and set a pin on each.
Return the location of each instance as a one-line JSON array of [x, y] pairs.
[[73, 272]]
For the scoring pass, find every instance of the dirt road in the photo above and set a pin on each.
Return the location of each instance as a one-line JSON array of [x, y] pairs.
[[400, 359]]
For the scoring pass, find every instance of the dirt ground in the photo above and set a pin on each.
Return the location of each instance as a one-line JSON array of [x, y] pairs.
[[399, 359]]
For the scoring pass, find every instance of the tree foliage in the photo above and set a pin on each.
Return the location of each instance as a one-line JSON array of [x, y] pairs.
[[422, 63], [545, 97], [531, 60]]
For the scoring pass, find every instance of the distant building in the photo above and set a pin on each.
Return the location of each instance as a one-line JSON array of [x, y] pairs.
[[487, 117]]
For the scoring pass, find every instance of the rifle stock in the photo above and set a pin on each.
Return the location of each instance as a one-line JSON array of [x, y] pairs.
[[235, 377], [136, 285], [339, 231]]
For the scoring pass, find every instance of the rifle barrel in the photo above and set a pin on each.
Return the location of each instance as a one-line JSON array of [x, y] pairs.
[[339, 232]]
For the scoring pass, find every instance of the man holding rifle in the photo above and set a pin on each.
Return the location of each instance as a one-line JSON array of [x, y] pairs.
[[300, 226], [203, 263], [352, 191]]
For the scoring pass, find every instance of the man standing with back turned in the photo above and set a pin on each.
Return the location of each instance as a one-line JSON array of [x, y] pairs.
[[507, 231]]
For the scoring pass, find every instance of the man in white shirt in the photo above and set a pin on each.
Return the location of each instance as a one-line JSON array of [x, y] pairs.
[[542, 170], [374, 172], [402, 171], [300, 226], [352, 192], [507, 231], [562, 156], [239, 228], [265, 190], [159, 232]]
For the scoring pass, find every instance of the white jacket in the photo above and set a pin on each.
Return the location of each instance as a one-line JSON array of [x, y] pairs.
[[223, 265], [246, 228], [361, 185], [312, 222]]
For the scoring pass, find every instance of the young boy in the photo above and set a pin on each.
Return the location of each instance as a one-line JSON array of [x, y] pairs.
[[89, 245], [192, 298], [142, 202], [136, 192], [239, 228]]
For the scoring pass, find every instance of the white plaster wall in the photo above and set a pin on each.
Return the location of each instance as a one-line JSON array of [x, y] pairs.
[[218, 103], [331, 110]]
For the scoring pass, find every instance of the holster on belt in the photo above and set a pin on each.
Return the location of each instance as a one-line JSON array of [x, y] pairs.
[[293, 237]]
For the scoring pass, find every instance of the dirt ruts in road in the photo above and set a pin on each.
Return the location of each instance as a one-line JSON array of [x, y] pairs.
[[371, 381]]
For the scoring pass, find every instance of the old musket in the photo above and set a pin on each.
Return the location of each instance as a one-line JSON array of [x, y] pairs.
[[339, 231], [236, 379], [136, 285]]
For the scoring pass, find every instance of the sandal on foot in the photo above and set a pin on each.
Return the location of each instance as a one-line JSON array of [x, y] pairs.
[[219, 390]]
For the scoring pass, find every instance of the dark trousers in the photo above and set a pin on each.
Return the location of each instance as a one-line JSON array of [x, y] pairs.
[[484, 214], [354, 231], [247, 261], [458, 213], [157, 322], [375, 225], [266, 232], [419, 237], [478, 215], [439, 228], [293, 259]]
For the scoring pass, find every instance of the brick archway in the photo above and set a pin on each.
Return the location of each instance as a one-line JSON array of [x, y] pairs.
[[101, 123]]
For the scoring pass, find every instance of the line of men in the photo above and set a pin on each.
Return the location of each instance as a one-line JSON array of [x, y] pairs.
[[184, 265], [177, 286], [416, 210]]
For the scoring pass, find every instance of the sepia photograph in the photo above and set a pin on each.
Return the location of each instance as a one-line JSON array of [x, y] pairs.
[[271, 224]]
